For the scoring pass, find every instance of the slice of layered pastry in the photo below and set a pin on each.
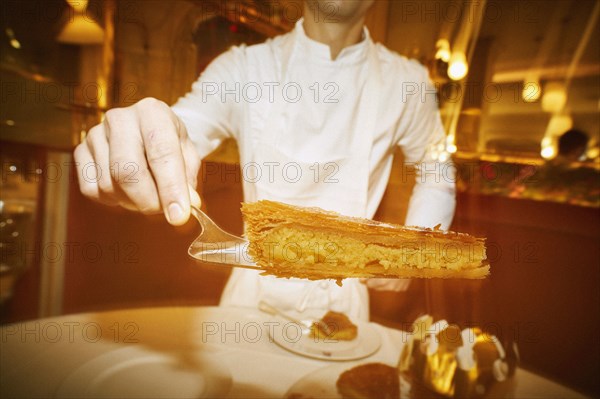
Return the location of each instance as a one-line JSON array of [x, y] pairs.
[[292, 241]]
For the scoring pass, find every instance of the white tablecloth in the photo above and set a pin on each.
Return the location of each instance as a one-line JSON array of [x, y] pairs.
[[42, 358]]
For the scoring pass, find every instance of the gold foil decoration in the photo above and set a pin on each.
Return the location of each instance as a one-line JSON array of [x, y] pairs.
[[410, 355], [450, 362]]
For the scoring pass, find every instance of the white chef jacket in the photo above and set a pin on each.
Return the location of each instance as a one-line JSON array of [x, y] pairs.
[[296, 116]]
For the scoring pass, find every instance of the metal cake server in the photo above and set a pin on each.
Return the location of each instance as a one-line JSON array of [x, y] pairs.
[[217, 246]]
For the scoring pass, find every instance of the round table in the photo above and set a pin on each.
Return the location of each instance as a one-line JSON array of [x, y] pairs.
[[231, 347]]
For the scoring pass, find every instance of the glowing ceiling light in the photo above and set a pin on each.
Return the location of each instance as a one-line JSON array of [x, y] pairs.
[[532, 90], [443, 156], [548, 148], [548, 152], [458, 67], [443, 50], [559, 123], [451, 143], [593, 153], [81, 29], [12, 39], [555, 97], [78, 5]]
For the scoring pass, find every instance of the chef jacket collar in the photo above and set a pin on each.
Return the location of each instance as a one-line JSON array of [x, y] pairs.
[[321, 52]]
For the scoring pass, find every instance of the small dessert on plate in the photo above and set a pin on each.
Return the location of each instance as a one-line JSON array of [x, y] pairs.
[[369, 381], [334, 326], [292, 241]]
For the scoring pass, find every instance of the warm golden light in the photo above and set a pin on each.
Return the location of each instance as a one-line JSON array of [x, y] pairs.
[[548, 152], [532, 90], [548, 148], [443, 50], [81, 30], [12, 39], [593, 152], [451, 143], [458, 68], [554, 98], [78, 5], [559, 123]]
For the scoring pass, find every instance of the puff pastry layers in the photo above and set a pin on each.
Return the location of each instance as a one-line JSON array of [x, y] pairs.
[[292, 241]]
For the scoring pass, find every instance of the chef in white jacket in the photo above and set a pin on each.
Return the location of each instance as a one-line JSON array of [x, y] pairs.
[[317, 114]]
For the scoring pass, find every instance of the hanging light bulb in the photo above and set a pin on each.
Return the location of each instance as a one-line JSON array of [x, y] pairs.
[[12, 39], [554, 98], [458, 67], [593, 151], [548, 152], [442, 50], [559, 123], [78, 5], [548, 147], [444, 156], [451, 144], [532, 90], [81, 29]]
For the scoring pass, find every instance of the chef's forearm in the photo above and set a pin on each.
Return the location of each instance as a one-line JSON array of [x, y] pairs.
[[209, 116]]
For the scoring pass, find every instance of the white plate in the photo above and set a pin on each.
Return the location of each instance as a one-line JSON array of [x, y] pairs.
[[297, 339], [321, 383], [137, 373]]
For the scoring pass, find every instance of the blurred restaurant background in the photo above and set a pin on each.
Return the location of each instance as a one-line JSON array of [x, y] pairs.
[[512, 77]]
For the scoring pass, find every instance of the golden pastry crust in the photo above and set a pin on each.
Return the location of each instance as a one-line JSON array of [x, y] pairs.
[[371, 380], [292, 241], [333, 326]]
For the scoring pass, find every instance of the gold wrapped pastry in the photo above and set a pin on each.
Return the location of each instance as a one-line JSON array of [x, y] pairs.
[[452, 363]]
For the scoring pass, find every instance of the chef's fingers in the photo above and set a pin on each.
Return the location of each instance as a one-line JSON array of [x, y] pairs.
[[128, 166], [190, 155], [92, 167], [165, 159], [87, 175], [192, 163], [96, 142]]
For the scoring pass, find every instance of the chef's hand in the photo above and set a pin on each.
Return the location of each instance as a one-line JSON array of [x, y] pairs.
[[141, 158], [387, 284]]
